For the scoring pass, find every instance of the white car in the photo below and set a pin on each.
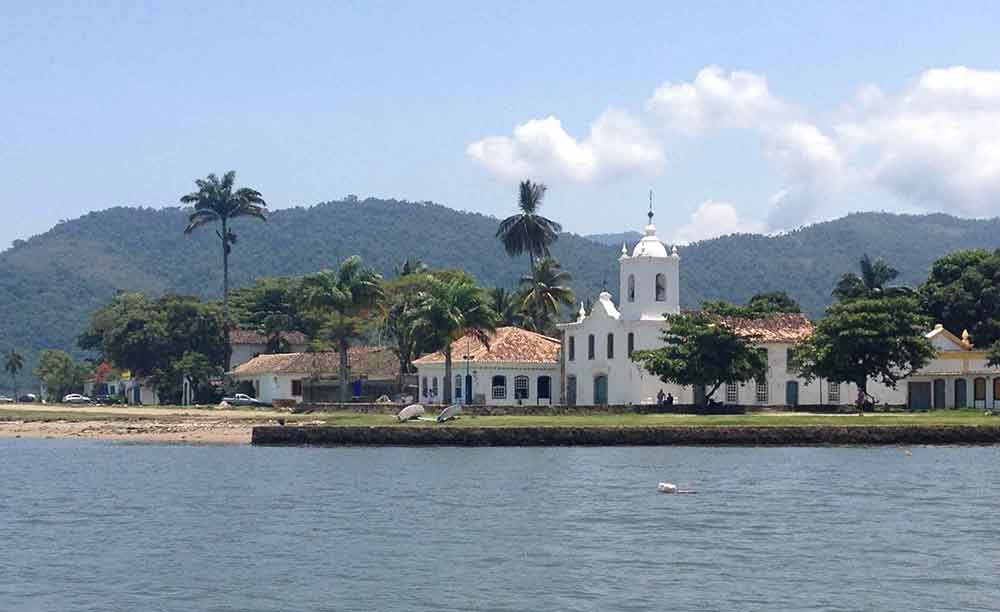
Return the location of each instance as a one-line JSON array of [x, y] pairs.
[[6, 400], [76, 398]]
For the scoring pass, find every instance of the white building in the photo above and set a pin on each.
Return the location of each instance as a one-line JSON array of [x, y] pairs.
[[517, 367]]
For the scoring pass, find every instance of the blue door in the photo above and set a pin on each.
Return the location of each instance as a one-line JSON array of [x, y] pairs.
[[601, 390], [792, 393]]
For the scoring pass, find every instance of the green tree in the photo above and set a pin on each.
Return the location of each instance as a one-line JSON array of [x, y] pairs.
[[866, 339], [403, 296], [13, 363], [760, 305], [871, 283], [451, 309], [993, 358], [341, 301], [507, 306], [963, 293], [543, 293], [60, 374], [699, 351], [220, 200], [412, 266], [529, 232]]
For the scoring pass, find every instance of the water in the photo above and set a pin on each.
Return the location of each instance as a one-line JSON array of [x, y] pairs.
[[108, 526]]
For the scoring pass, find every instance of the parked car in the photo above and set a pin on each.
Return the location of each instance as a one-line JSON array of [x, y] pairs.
[[28, 398], [242, 399], [104, 399], [76, 398], [6, 400]]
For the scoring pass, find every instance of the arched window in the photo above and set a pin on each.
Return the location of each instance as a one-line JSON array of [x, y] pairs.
[[499, 387], [611, 346], [423, 386], [434, 386], [458, 387], [631, 344], [521, 387], [590, 346], [979, 393], [631, 287], [572, 348], [661, 287]]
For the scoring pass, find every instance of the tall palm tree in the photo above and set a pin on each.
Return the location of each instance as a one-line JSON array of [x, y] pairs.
[[452, 309], [341, 300], [544, 292], [13, 363], [219, 200], [871, 283], [529, 231]]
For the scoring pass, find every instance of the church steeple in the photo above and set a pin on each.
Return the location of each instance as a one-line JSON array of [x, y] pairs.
[[650, 213]]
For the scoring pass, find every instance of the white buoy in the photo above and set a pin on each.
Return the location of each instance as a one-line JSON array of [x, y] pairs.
[[666, 487]]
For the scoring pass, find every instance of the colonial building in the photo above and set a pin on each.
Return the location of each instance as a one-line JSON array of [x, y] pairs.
[[515, 367]]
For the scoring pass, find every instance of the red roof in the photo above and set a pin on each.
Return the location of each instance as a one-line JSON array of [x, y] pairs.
[[788, 328], [372, 362], [507, 344]]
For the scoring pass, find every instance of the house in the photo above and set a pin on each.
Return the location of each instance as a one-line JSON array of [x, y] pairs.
[[515, 367], [247, 344], [315, 377]]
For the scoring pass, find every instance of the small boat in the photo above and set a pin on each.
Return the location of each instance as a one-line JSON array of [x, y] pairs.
[[449, 413], [413, 411], [669, 487]]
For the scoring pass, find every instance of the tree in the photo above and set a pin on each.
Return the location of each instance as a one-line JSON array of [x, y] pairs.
[[340, 302], [451, 309], [60, 375], [507, 306], [963, 293], [412, 266], [700, 351], [993, 358], [13, 363], [403, 296], [871, 283], [866, 339], [773, 302], [528, 231], [543, 293], [219, 200]]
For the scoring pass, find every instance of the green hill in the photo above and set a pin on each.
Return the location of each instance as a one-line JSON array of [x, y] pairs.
[[50, 283]]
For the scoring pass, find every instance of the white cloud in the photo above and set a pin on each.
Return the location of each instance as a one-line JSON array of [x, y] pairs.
[[717, 99], [812, 168], [617, 145], [713, 219], [937, 144]]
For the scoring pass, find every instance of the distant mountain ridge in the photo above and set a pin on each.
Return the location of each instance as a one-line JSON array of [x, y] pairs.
[[616, 239], [49, 284]]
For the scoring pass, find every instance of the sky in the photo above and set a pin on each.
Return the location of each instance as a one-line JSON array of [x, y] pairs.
[[739, 116]]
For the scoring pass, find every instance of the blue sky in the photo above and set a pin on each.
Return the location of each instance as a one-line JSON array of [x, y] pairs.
[[740, 116]]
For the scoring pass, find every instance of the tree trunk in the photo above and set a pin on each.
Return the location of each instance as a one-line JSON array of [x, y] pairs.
[[447, 375], [344, 397], [225, 290]]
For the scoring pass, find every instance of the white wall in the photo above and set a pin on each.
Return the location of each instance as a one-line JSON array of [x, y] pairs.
[[482, 378], [272, 387]]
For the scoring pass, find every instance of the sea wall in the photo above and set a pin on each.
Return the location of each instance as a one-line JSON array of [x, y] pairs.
[[625, 436]]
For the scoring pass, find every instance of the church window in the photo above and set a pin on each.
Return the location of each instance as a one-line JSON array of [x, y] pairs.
[[434, 386], [732, 393], [458, 387], [520, 387], [499, 387], [631, 287], [590, 346], [631, 344], [572, 348], [833, 392], [661, 287], [761, 391], [611, 346]]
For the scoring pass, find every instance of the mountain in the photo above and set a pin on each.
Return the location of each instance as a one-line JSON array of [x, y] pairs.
[[50, 283], [615, 239]]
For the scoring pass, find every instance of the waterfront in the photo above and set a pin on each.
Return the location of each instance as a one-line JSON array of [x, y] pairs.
[[90, 525]]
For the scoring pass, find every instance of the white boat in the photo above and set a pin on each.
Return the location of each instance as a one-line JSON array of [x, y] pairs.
[[449, 413], [413, 411]]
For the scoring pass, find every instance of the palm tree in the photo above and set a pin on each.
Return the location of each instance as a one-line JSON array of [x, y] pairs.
[[528, 231], [871, 284], [217, 200], [412, 266], [12, 364], [544, 292], [342, 300], [450, 310], [507, 306]]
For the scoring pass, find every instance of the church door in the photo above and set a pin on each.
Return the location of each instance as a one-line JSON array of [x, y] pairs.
[[468, 388], [961, 394], [571, 390], [600, 390], [792, 393], [939, 394]]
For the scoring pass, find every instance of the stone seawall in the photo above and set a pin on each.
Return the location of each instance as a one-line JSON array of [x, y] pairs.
[[625, 436]]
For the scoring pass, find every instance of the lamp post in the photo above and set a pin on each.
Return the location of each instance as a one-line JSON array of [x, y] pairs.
[[468, 377]]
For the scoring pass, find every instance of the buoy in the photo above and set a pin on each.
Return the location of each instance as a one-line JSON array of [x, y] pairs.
[[666, 487]]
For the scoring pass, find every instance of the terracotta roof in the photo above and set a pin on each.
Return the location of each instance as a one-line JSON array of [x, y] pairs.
[[372, 362], [775, 328], [249, 336], [507, 344]]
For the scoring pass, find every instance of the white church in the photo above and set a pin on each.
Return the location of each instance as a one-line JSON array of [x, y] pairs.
[[591, 363]]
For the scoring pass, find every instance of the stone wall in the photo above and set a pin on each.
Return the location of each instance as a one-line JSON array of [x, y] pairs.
[[624, 436]]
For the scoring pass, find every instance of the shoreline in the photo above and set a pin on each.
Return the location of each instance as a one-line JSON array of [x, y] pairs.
[[806, 435]]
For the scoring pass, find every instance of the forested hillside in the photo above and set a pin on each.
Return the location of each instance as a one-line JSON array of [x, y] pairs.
[[52, 282]]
